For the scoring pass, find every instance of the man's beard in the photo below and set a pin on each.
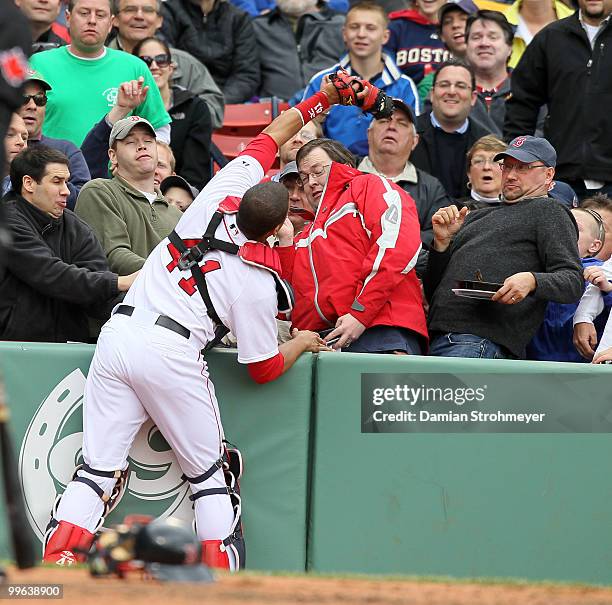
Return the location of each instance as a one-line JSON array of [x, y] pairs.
[[296, 7]]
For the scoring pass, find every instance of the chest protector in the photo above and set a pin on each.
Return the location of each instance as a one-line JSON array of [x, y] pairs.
[[252, 253]]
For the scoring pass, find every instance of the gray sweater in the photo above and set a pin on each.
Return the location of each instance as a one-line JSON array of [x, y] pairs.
[[536, 235]]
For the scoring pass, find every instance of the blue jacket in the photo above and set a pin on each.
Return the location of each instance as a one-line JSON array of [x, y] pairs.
[[415, 44], [95, 150], [256, 7], [349, 125], [553, 341]]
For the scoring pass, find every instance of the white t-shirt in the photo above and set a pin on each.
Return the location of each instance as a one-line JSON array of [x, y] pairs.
[[244, 296], [150, 196]]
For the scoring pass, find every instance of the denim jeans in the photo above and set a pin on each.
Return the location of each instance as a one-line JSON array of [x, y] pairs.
[[467, 345], [384, 339]]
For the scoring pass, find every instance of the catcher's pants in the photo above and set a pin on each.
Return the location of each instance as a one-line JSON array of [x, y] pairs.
[[139, 370]]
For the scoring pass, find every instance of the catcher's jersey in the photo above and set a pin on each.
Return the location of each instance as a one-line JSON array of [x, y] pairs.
[[244, 296]]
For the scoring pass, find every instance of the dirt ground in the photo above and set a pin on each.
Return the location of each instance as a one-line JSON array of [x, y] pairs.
[[258, 589]]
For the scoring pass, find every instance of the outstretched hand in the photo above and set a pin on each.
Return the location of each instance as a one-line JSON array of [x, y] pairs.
[[130, 95], [309, 341], [348, 329], [333, 93], [446, 222]]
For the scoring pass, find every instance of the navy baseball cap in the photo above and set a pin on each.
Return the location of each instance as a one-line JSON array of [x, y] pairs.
[[563, 193], [529, 149], [466, 6]]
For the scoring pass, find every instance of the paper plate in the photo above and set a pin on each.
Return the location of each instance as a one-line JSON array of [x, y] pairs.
[[480, 294]]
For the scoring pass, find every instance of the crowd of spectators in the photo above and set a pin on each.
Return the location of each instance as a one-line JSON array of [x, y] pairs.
[[495, 166]]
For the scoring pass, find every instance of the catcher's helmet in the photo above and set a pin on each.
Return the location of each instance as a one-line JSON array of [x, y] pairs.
[[167, 541]]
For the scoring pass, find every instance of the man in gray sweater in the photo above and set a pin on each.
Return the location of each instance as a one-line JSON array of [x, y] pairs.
[[528, 244]]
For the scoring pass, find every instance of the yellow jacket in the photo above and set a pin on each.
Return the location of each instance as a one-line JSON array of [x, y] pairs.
[[491, 5], [512, 14]]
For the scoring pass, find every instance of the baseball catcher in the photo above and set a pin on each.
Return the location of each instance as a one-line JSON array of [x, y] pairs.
[[213, 273]]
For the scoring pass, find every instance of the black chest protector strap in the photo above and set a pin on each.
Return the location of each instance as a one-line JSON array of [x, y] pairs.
[[189, 261]]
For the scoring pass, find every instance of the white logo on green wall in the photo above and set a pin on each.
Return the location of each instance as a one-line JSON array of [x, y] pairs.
[[51, 449]]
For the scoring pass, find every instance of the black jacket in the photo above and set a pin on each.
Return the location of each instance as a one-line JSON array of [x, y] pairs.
[[224, 40], [423, 156], [560, 69], [56, 272], [190, 134]]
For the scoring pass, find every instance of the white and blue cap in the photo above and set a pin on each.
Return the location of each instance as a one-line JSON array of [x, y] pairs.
[[529, 149]]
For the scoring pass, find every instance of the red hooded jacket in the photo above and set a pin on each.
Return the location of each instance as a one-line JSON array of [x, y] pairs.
[[357, 256]]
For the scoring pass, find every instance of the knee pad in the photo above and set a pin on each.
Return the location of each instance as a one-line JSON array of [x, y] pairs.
[[214, 551], [99, 481], [112, 481]]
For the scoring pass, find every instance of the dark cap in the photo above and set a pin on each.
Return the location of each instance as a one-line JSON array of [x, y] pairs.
[[290, 168], [529, 149], [175, 180], [403, 106], [563, 193], [466, 6]]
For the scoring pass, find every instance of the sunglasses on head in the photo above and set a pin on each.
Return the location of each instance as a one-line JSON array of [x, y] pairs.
[[162, 60], [40, 99]]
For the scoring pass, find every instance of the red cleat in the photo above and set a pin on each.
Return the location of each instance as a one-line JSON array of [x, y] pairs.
[[213, 556], [68, 545]]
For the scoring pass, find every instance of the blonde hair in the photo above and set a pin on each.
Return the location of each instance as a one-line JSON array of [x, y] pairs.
[[170, 153], [487, 143]]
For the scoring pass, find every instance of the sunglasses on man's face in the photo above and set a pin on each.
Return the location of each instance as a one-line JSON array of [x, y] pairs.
[[40, 99], [162, 60]]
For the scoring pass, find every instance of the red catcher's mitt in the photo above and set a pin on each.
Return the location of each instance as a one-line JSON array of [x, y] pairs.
[[375, 102]]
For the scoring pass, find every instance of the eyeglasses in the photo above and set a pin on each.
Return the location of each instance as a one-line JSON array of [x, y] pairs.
[[40, 99], [38, 47], [601, 236], [133, 10], [446, 85], [480, 162], [520, 168], [162, 60], [319, 172]]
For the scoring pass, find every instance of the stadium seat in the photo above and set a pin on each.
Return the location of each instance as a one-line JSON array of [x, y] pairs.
[[226, 147], [231, 146], [241, 124], [249, 119]]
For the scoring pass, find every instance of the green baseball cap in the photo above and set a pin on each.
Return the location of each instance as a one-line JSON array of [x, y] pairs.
[[36, 76]]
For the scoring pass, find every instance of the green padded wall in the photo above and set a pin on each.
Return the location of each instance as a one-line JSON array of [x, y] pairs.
[[536, 506], [269, 423]]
